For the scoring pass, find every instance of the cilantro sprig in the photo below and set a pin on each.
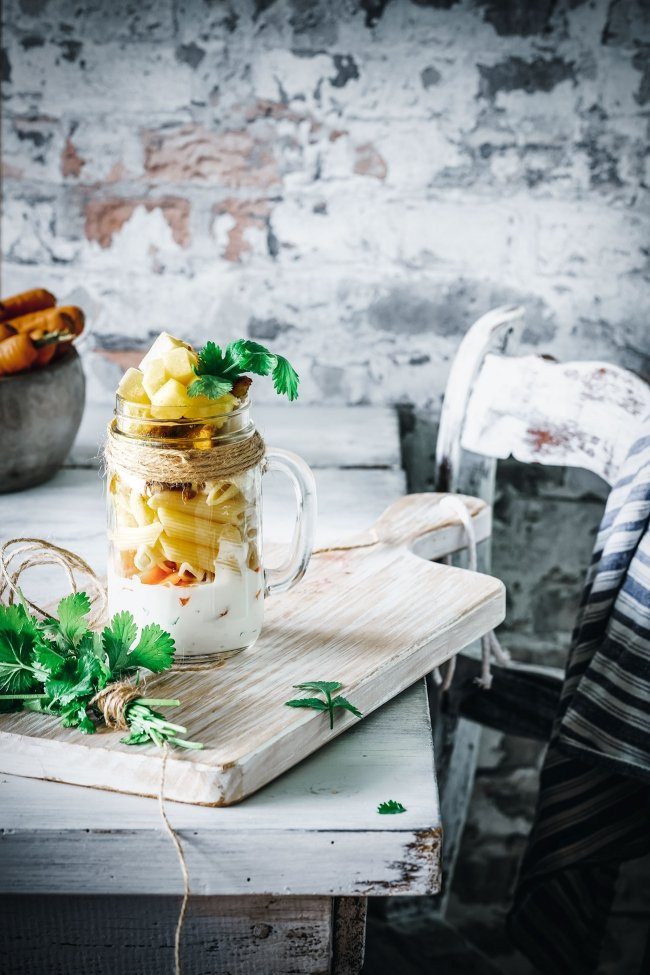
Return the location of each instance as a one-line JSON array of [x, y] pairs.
[[58, 665], [218, 370], [330, 704]]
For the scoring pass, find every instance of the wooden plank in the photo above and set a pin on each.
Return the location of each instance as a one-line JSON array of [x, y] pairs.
[[577, 414], [357, 617], [315, 830], [325, 436], [135, 936]]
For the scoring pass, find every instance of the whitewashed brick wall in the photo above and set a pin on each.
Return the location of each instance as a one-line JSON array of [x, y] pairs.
[[352, 181]]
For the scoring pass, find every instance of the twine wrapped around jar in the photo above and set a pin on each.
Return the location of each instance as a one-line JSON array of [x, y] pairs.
[[171, 465]]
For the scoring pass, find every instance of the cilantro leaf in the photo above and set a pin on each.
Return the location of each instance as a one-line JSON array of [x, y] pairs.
[[72, 622], [210, 386], [391, 807], [342, 702], [326, 686], [47, 662], [285, 378], [18, 635], [117, 640], [214, 362], [253, 357], [308, 702], [155, 649]]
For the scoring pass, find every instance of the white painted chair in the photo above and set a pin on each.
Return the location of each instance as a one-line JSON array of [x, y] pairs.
[[532, 408]]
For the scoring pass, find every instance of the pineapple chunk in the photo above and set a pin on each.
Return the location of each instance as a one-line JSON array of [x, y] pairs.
[[180, 363], [131, 388], [170, 402], [154, 377], [163, 344]]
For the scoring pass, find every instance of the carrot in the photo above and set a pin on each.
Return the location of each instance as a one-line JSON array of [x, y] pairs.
[[5, 331], [45, 354], [47, 320], [26, 302], [154, 575], [76, 316], [17, 353]]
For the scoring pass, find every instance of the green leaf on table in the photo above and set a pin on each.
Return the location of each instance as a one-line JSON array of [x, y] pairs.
[[117, 639], [47, 662], [390, 807], [18, 635], [342, 702], [72, 612], [308, 702], [325, 686], [154, 650]]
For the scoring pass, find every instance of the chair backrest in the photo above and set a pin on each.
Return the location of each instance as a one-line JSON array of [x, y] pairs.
[[575, 414]]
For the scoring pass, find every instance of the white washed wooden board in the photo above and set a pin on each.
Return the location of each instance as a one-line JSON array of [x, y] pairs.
[[374, 618], [324, 809]]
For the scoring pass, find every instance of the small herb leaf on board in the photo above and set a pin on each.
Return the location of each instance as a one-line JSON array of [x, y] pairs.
[[390, 807], [307, 702], [342, 702], [326, 687]]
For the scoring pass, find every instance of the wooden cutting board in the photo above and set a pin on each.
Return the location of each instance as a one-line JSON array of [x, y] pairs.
[[376, 617]]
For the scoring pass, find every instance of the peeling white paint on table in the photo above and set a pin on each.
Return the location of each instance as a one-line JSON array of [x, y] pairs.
[[321, 813]]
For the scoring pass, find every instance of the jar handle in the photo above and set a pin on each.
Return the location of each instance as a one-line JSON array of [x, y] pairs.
[[304, 488]]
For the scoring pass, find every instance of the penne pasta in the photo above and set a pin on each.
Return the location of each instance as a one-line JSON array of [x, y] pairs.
[[185, 527], [179, 551], [133, 537], [196, 507]]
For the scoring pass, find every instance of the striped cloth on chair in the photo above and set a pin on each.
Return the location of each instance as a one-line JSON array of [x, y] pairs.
[[593, 809]]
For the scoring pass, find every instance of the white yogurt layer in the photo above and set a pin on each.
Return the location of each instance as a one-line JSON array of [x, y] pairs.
[[210, 617]]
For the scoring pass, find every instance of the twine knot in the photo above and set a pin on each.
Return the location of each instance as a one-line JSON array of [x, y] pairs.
[[113, 702]]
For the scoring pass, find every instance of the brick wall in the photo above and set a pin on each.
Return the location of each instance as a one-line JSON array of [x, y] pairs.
[[353, 182]]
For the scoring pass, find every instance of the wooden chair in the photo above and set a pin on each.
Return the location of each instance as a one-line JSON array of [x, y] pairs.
[[532, 408]]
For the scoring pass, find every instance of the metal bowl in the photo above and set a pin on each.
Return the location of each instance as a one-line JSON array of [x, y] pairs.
[[40, 413]]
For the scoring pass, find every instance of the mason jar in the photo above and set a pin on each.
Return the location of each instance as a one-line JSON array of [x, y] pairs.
[[185, 526]]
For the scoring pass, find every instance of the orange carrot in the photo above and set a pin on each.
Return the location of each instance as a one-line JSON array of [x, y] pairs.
[[5, 331], [16, 354], [154, 575], [47, 320], [44, 354], [76, 316], [26, 302]]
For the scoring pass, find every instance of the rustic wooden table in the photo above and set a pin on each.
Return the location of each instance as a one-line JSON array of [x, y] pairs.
[[279, 881]]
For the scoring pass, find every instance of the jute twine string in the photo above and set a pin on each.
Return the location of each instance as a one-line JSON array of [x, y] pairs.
[[19, 554], [170, 465], [113, 700]]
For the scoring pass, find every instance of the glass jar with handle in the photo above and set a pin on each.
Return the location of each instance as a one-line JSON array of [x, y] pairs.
[[185, 526]]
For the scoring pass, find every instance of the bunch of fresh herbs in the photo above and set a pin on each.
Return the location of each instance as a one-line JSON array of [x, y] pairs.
[[219, 370], [57, 665]]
